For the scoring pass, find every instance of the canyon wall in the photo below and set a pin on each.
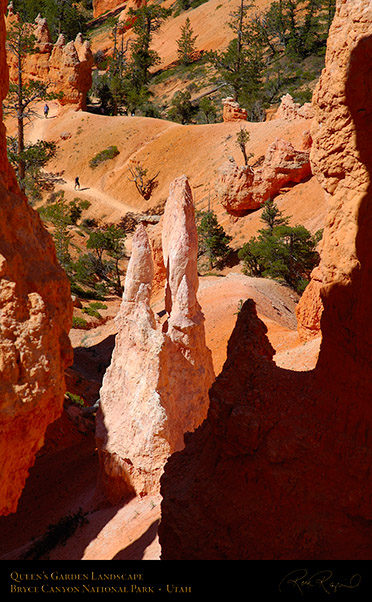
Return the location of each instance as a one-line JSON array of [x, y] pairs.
[[156, 387], [281, 466], [66, 66], [35, 318]]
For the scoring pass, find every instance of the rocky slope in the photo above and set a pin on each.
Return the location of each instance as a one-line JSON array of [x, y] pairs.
[[36, 314], [280, 468]]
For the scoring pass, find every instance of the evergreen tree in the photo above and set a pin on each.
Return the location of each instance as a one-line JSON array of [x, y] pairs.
[[242, 138], [148, 20], [34, 157], [272, 216], [22, 95], [181, 109], [213, 240], [207, 111], [186, 43], [281, 251], [109, 240], [241, 64], [63, 16]]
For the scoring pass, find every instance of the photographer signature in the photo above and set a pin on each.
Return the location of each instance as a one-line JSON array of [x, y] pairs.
[[301, 579]]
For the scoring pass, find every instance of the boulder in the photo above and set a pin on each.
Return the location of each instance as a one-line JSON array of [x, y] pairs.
[[232, 111], [290, 110], [243, 189]]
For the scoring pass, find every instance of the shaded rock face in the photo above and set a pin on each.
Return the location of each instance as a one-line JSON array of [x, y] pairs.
[[67, 66], [156, 386], [243, 189], [35, 317], [232, 111], [280, 468]]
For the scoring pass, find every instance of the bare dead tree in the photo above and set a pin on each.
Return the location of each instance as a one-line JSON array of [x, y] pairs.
[[144, 185]]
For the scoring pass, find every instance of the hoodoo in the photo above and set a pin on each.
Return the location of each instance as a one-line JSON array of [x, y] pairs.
[[156, 387], [66, 66]]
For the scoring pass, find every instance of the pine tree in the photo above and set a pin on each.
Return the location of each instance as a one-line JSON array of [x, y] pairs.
[[241, 65], [242, 138], [272, 216], [213, 240], [22, 95], [280, 251], [186, 43], [148, 20]]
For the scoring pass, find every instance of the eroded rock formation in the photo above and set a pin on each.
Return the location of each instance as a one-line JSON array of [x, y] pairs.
[[281, 467], [289, 109], [310, 308], [242, 189], [156, 386], [36, 315], [66, 66], [232, 111]]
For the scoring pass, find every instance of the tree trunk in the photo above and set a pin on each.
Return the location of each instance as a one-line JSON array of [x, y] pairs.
[[21, 140]]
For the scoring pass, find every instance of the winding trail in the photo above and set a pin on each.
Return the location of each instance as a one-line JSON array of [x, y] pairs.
[[95, 194], [36, 131]]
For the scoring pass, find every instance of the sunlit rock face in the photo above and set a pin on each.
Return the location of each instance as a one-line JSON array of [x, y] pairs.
[[67, 66], [241, 189], [35, 318], [156, 387]]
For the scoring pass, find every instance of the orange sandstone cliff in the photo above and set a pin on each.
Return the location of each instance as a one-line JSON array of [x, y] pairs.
[[66, 66], [35, 319], [281, 466]]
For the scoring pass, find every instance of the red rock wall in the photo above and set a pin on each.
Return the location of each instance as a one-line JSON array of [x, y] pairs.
[[281, 467], [35, 317]]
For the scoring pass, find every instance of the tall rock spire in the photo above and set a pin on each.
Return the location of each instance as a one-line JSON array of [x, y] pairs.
[[156, 387]]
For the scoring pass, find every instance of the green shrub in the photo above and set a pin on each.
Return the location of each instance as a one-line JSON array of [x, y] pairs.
[[98, 305], [76, 399], [78, 322], [212, 239], [282, 252], [90, 311], [105, 155]]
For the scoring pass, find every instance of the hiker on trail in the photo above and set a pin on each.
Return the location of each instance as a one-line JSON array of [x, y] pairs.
[[77, 183], [46, 111]]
